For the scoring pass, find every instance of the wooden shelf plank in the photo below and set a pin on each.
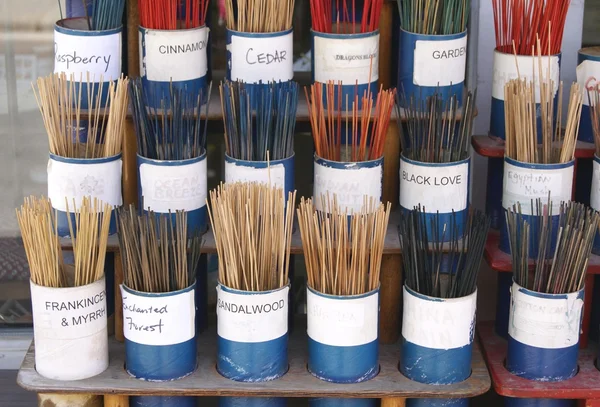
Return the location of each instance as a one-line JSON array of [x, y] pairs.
[[297, 382], [583, 386], [493, 147]]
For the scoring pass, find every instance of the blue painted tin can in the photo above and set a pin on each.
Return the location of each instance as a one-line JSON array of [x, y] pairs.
[[333, 402], [71, 179], [595, 198], [343, 336], [438, 188], [252, 329], [174, 58], [158, 401], [430, 64], [543, 334], [252, 402], [524, 183], [350, 182], [493, 194], [172, 185], [508, 67], [588, 74], [255, 58], [81, 52], [516, 402], [437, 402], [352, 59], [279, 173]]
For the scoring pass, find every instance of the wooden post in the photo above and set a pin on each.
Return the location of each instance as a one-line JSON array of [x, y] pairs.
[[393, 402], [587, 310], [390, 297], [391, 165], [133, 44], [113, 400], [385, 44], [69, 400], [118, 298]]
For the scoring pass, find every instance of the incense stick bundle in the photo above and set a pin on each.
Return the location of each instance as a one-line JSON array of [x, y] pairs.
[[259, 16], [259, 119], [176, 130], [594, 102], [89, 235], [362, 132], [434, 17], [252, 226], [426, 257], [434, 133], [60, 105], [518, 23], [172, 14], [340, 16], [156, 253], [106, 14], [343, 253], [565, 271]]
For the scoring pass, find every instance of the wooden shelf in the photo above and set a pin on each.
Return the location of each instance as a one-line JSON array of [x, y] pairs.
[[493, 147], [297, 382], [583, 386]]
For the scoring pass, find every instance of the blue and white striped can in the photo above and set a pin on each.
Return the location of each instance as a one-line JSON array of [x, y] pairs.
[[595, 198], [438, 188], [174, 58], [543, 334], [252, 402], [81, 52], [352, 59], [333, 402], [175, 185], [430, 64], [277, 173], [517, 402], [508, 67], [72, 179], [524, 183], [588, 75]]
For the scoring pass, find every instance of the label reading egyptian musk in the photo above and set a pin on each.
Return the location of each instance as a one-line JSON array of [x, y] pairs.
[[70, 182], [275, 174], [158, 320], [349, 184], [252, 317], [79, 54], [350, 60], [588, 74], [521, 185], [444, 189], [69, 313], [177, 187], [178, 55], [440, 63], [595, 192], [548, 323], [255, 59], [439, 324], [342, 322]]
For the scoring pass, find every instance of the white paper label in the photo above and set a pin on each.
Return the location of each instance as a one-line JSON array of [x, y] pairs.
[[350, 185], [266, 59], [440, 63], [544, 322], [175, 55], [252, 318], [68, 182], [165, 320], [242, 173], [595, 192], [79, 54], [508, 67], [69, 313], [444, 324], [351, 60], [442, 189], [588, 73], [178, 187], [521, 185], [342, 322]]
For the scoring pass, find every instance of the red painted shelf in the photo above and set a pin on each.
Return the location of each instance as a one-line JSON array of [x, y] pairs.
[[493, 147], [585, 385]]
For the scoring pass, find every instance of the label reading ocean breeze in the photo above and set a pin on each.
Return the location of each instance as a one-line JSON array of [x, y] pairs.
[[442, 189], [175, 55], [440, 63], [447, 324], [255, 59], [164, 320], [595, 193], [79, 54], [178, 187], [351, 61], [342, 322], [68, 182], [588, 73], [71, 313], [252, 318], [241, 173], [544, 322], [350, 185], [521, 185]]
